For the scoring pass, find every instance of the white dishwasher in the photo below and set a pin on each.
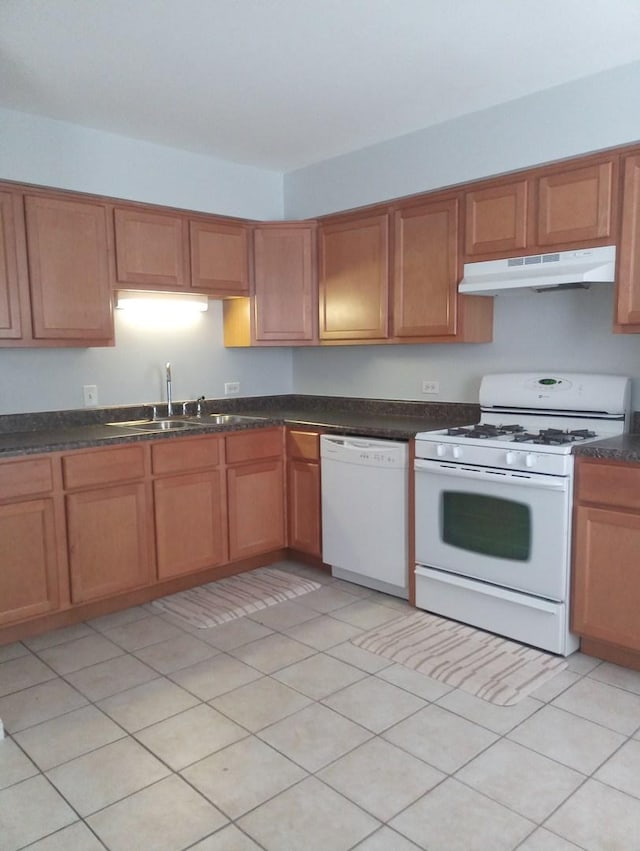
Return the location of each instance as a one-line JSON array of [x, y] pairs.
[[364, 511]]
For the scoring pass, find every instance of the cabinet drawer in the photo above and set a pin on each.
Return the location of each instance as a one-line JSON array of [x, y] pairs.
[[182, 455], [250, 445], [303, 444], [609, 484], [25, 478], [103, 467]]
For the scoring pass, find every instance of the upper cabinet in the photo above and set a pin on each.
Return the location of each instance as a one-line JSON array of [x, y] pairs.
[[158, 250], [354, 278], [10, 226], [628, 288], [554, 208]]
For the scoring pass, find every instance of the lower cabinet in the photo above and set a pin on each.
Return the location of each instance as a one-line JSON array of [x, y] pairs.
[[109, 521], [32, 563], [606, 567], [255, 492], [303, 491]]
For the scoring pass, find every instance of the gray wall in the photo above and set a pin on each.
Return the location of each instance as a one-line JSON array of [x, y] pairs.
[[560, 330]]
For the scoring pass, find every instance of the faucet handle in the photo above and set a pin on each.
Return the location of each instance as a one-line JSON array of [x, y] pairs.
[[199, 402], [185, 409]]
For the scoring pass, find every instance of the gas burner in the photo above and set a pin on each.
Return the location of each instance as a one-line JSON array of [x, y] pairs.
[[554, 436], [485, 431]]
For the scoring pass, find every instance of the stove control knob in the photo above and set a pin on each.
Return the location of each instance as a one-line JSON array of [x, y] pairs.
[[441, 450], [511, 457], [457, 452], [530, 460]]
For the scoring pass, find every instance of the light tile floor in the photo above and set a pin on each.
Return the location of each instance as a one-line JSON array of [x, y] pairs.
[[132, 732]]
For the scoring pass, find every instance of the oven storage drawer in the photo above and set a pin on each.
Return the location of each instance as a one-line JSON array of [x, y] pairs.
[[519, 616]]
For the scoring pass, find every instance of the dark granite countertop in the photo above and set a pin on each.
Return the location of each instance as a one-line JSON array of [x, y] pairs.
[[626, 447], [55, 431]]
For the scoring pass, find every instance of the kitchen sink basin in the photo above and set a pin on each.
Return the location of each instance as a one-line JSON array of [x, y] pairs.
[[159, 425], [230, 419]]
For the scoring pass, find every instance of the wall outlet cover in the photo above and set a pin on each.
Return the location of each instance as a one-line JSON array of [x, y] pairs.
[[90, 393], [231, 388], [430, 386]]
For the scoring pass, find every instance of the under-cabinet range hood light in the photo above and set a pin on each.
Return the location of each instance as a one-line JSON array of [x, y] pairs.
[[540, 272], [161, 303]]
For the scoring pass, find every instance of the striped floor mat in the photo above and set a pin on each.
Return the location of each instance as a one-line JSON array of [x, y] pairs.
[[490, 667], [218, 602]]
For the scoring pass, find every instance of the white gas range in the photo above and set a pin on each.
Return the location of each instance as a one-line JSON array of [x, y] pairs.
[[493, 503]]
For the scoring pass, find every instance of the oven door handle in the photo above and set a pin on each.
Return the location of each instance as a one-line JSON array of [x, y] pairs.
[[500, 477]]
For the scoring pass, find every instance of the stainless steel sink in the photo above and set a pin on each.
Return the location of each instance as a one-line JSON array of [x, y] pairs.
[[230, 419], [160, 425]]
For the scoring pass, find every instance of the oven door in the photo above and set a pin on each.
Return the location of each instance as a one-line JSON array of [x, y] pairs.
[[499, 526]]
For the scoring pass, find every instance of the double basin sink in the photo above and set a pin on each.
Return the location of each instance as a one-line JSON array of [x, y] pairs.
[[181, 423]]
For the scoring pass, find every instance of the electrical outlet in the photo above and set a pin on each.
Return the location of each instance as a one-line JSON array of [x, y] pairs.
[[231, 388], [430, 386], [90, 393]]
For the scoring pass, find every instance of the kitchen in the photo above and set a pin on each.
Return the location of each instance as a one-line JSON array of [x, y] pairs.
[[577, 326]]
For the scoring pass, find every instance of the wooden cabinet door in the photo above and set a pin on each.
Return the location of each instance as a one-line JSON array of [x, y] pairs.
[[354, 279], [628, 286], [29, 572], [108, 534], [191, 527], [574, 205], [496, 220], [68, 270], [606, 576], [219, 257], [255, 494], [151, 249], [425, 283], [304, 506], [284, 283], [10, 220]]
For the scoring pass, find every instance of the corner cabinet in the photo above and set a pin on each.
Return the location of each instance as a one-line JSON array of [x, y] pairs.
[[628, 283], [11, 320], [354, 278], [606, 568]]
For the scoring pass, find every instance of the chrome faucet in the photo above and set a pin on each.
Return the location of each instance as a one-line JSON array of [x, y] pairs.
[[169, 398]]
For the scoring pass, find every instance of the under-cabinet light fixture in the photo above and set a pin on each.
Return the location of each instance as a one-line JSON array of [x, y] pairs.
[[161, 304]]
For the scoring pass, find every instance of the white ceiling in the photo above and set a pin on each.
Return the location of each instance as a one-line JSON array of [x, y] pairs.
[[281, 84]]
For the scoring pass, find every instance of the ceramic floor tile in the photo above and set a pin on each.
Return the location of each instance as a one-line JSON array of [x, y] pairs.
[[243, 776], [453, 817], [30, 810], [544, 840], [260, 703], [323, 632], [147, 704], [374, 703], [68, 736], [190, 736], [441, 738], [39, 703], [622, 770], [573, 741], [521, 779], [13, 651], [105, 622], [227, 839], [106, 775], [76, 837], [282, 616], [415, 682], [612, 707], [233, 634], [110, 677], [581, 663], [326, 599], [176, 653], [359, 658], [23, 672], [599, 818], [167, 816], [380, 778], [215, 676], [14, 765], [272, 653], [500, 719], [58, 636], [319, 676], [309, 816], [314, 736], [386, 839], [80, 653], [366, 614], [358, 591], [143, 632], [555, 686], [615, 675]]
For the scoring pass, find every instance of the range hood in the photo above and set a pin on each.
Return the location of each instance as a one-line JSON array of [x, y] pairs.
[[540, 272]]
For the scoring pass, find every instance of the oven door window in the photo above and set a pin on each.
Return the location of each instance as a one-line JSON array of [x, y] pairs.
[[488, 525]]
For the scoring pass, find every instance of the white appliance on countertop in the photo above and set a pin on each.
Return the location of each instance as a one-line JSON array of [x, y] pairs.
[[365, 489], [493, 503]]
